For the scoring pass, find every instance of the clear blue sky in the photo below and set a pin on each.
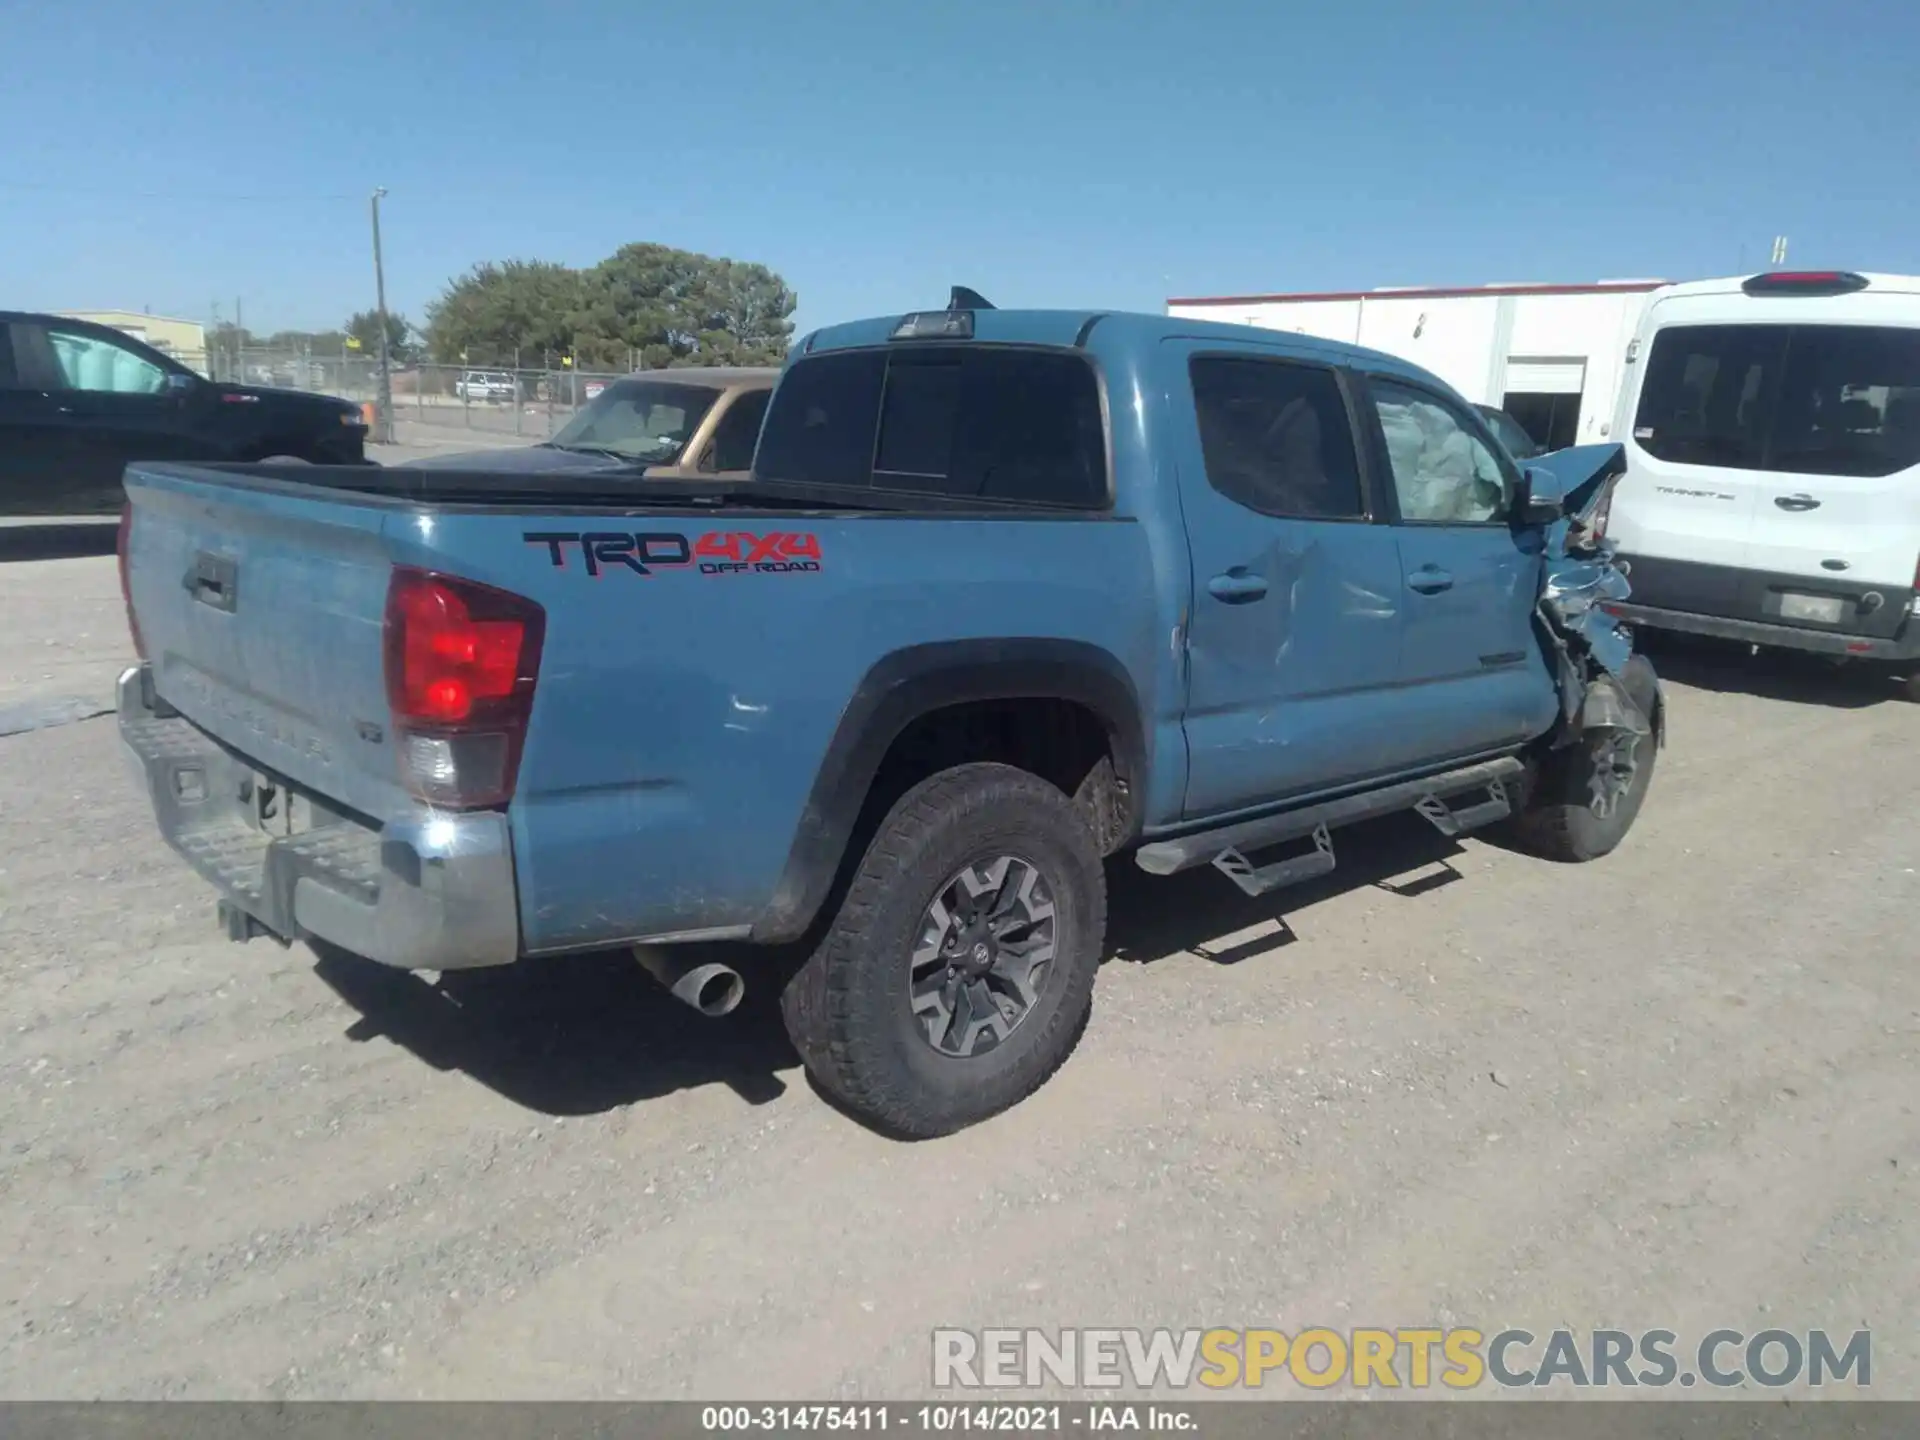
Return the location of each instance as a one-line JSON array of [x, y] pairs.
[[1046, 152]]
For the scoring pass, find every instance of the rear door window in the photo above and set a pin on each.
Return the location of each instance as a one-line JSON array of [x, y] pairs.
[[1707, 393], [1849, 402], [999, 423], [1275, 437], [1800, 399]]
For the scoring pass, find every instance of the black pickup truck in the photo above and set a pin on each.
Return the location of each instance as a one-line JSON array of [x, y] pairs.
[[79, 402]]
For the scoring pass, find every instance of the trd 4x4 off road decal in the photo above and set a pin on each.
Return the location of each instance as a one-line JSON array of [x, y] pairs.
[[718, 552]]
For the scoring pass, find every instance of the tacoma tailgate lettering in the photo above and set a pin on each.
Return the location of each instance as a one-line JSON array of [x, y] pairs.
[[718, 552]]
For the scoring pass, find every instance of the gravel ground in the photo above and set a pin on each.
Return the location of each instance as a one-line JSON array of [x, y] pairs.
[[1450, 1085]]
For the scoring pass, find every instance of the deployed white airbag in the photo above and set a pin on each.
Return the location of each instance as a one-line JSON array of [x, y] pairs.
[[1438, 469]]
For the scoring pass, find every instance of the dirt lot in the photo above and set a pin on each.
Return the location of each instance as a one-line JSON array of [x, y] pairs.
[[1452, 1085]]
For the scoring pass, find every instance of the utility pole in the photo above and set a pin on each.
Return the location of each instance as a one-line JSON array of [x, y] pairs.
[[239, 342], [383, 411]]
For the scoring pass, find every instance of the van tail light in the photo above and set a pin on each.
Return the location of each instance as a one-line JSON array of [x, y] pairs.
[[462, 661], [1805, 282], [126, 587]]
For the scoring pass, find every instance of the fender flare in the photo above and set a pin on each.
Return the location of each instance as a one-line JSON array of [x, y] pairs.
[[910, 683]]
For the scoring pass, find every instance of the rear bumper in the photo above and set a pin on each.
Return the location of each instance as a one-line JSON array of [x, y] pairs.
[[432, 891], [1901, 647]]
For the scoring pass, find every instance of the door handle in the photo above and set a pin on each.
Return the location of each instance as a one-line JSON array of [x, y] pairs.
[[1237, 587], [1796, 502], [1430, 580]]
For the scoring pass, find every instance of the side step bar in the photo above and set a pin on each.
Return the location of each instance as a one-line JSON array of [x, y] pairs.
[[1224, 847]]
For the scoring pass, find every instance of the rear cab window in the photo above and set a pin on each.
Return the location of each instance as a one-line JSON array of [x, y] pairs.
[[994, 422], [1800, 399]]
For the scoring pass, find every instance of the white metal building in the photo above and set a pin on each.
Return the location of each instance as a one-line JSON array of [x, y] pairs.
[[1549, 355]]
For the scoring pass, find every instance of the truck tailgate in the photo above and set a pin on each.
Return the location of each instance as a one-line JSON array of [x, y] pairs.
[[261, 610]]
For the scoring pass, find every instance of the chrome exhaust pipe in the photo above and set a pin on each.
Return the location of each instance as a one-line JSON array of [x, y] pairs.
[[708, 986]]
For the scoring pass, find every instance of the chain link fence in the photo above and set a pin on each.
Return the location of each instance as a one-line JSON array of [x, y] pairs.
[[502, 400]]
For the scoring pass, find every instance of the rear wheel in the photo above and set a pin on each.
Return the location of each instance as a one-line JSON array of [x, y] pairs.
[[1585, 798], [959, 970], [1910, 686]]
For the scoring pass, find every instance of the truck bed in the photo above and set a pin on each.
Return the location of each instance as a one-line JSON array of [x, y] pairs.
[[701, 643]]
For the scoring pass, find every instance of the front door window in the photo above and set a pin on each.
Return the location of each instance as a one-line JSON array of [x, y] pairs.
[[1442, 473], [96, 365]]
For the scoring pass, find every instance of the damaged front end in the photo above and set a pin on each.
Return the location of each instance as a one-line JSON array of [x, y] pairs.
[[1585, 640]]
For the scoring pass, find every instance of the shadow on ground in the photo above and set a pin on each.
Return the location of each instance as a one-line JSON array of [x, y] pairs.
[[584, 1034], [572, 1035], [1792, 676], [58, 539], [1201, 912]]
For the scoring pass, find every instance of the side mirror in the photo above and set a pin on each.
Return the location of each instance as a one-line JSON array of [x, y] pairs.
[[1542, 499], [179, 386]]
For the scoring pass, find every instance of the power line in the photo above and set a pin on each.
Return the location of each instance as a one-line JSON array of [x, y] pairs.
[[195, 197]]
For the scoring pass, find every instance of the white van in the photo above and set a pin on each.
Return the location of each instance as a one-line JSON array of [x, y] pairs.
[[1772, 492]]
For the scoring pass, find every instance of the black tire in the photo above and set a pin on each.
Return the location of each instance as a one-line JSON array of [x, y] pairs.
[[1910, 687], [849, 1011], [1558, 820]]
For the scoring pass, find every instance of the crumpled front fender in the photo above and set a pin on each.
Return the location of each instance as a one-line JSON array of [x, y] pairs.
[[1573, 600], [1589, 646]]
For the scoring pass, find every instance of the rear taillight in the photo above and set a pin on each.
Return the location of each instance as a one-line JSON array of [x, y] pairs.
[[126, 587], [462, 660]]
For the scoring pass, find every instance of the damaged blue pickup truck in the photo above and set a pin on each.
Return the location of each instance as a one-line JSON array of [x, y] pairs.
[[1008, 592]]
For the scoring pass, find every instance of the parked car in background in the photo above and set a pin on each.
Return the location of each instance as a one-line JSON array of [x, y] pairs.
[[79, 401], [1772, 494], [1510, 433], [675, 423], [494, 386], [983, 617]]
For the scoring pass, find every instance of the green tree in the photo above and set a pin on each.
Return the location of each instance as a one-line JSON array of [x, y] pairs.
[[677, 307], [493, 312], [364, 326], [649, 303]]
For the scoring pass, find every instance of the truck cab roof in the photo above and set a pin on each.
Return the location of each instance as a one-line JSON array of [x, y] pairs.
[[1084, 329]]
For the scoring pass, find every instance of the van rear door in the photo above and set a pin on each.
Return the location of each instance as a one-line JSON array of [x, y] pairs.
[[1684, 510], [1774, 457], [1841, 506]]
